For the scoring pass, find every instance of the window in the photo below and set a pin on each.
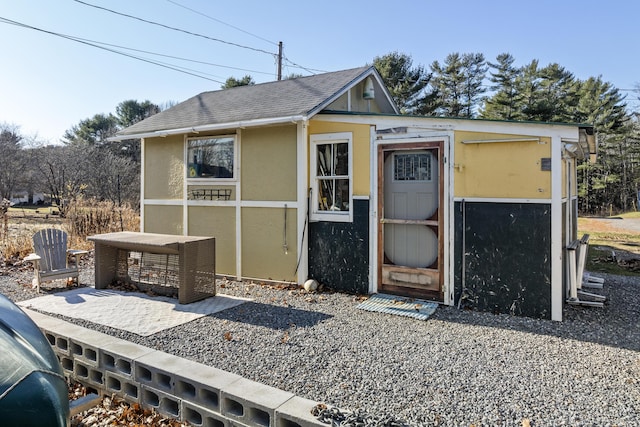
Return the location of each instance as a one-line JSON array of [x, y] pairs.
[[412, 167], [211, 157], [331, 168]]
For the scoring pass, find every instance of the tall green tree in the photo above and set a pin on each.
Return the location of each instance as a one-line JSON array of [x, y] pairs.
[[504, 102], [600, 104], [448, 84], [458, 83], [559, 95], [130, 112], [95, 130], [247, 80], [405, 83]]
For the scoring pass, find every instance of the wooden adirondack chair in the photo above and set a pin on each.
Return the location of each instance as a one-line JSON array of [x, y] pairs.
[[51, 257]]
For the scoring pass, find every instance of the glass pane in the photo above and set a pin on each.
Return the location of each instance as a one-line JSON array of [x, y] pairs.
[[324, 160], [412, 167], [333, 195], [210, 158], [325, 197], [341, 161], [342, 195]]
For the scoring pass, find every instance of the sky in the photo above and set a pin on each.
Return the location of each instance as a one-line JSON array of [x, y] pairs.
[[50, 83]]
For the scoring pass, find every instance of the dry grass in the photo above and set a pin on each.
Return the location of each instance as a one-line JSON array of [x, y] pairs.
[[611, 249], [81, 221]]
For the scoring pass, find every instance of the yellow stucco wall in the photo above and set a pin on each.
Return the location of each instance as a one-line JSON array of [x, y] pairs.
[[263, 253], [163, 219], [218, 222], [268, 158], [361, 150], [164, 167], [500, 169]]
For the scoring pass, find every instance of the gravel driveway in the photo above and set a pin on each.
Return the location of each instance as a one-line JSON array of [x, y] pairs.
[[628, 225], [459, 368]]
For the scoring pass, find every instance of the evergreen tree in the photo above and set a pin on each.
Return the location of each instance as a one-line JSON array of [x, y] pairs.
[[94, 131], [458, 84], [449, 85], [528, 86], [131, 111], [503, 104], [474, 70], [247, 80], [405, 82]]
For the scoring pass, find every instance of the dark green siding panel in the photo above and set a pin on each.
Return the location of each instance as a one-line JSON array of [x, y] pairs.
[[507, 257], [339, 251]]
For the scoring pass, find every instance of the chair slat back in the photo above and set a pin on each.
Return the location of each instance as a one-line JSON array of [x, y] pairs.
[[51, 245]]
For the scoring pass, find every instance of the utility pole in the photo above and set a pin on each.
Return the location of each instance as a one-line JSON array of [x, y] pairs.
[[279, 60]]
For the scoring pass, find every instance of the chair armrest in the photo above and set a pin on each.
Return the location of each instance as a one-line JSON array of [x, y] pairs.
[[74, 252], [32, 257]]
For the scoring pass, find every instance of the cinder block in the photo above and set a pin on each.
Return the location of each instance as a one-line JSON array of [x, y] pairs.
[[296, 412], [156, 369], [88, 374], [252, 403], [124, 387], [85, 345], [202, 417], [59, 343], [118, 356], [43, 321], [201, 384], [67, 365], [164, 403]]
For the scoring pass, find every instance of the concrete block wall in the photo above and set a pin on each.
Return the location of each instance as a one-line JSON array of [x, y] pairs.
[[183, 389]]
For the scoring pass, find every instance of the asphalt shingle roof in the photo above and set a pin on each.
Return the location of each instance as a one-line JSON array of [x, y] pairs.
[[300, 96]]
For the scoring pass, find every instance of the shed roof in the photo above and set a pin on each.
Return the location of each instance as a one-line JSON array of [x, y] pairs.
[[293, 98]]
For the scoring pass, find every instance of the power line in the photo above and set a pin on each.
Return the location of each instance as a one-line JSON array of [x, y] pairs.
[[221, 22], [169, 56], [309, 70], [77, 40], [173, 28]]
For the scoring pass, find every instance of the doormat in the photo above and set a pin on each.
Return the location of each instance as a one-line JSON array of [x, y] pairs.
[[129, 311], [400, 306]]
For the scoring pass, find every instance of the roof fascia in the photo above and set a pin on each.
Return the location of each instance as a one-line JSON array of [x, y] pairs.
[[212, 127]]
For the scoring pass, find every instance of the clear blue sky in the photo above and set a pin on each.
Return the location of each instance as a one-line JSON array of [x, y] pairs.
[[48, 84]]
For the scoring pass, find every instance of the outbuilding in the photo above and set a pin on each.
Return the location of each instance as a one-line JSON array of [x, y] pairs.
[[321, 177]]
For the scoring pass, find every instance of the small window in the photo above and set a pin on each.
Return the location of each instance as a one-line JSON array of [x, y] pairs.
[[412, 167], [331, 162], [211, 158]]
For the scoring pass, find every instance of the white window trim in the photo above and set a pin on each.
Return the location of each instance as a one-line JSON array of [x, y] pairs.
[[195, 181], [332, 138]]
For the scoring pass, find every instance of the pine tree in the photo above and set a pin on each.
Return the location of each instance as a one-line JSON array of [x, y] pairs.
[[502, 105], [405, 82]]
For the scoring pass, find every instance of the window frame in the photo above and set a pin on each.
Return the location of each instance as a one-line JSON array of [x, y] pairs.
[[322, 139], [234, 169]]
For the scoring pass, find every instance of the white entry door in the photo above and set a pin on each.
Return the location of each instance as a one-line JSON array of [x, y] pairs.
[[410, 222]]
